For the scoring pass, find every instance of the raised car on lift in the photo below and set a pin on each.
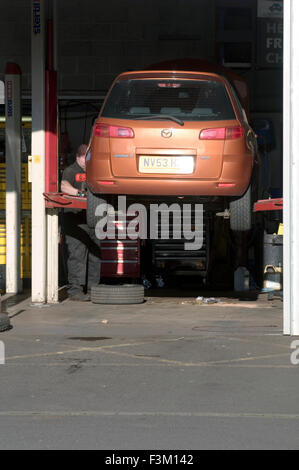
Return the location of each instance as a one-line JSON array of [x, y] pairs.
[[173, 133]]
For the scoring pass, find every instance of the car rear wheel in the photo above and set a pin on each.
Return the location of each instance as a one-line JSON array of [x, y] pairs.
[[93, 201], [240, 212]]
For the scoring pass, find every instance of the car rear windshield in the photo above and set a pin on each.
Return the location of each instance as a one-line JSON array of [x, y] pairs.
[[190, 100]]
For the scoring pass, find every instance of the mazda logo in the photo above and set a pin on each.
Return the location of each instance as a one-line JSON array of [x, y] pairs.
[[166, 133]]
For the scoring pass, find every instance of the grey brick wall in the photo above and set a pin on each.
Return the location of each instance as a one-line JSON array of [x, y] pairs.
[[15, 36], [99, 39]]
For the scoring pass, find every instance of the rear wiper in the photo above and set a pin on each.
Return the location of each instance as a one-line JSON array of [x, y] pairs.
[[162, 117]]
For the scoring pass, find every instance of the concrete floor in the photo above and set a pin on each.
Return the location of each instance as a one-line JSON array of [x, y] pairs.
[[167, 374]]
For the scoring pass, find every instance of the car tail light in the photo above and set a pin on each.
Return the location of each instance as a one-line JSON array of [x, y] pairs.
[[102, 130], [225, 185], [213, 134], [234, 132], [222, 133]]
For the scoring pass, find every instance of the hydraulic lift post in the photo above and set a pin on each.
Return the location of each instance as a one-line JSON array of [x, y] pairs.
[[51, 159], [39, 247], [44, 153], [13, 153]]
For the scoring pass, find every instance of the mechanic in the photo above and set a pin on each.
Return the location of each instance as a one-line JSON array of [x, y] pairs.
[[83, 262]]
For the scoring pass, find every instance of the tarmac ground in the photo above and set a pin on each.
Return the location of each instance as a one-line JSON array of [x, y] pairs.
[[171, 373]]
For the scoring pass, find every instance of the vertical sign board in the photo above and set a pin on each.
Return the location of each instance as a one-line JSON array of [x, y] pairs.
[[270, 33], [36, 17]]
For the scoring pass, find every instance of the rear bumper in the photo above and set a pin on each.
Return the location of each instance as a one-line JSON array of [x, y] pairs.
[[235, 170], [163, 187]]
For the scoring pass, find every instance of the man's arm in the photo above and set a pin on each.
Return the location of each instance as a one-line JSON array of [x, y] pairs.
[[67, 188]]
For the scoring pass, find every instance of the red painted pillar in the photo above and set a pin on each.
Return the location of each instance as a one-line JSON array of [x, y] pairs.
[[51, 175]]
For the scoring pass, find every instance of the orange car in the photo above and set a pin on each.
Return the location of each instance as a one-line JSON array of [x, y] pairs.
[[169, 134]]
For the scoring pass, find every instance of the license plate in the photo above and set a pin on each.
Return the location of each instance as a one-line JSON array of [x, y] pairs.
[[177, 165]]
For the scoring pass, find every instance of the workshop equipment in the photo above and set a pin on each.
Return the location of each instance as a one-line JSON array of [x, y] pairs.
[[273, 249], [273, 260], [170, 256], [120, 258]]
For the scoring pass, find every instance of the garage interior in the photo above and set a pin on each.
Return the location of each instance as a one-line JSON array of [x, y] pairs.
[[200, 364], [84, 52]]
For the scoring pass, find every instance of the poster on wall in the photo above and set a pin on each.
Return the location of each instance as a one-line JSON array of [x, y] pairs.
[[270, 33]]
